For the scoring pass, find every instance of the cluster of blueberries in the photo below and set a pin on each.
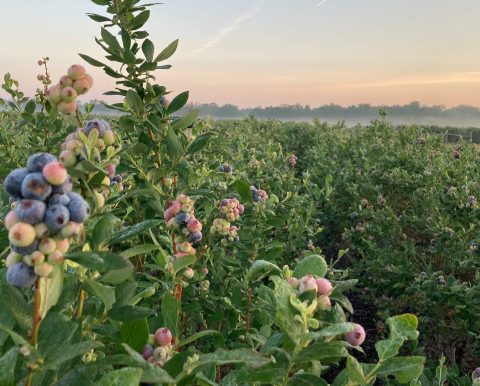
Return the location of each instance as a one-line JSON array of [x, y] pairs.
[[322, 289], [64, 94], [45, 216], [159, 348], [181, 214], [258, 195], [292, 160], [230, 210], [225, 168]]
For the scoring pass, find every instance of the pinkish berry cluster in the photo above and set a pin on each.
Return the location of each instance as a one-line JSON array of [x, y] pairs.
[[64, 94], [292, 160], [322, 287], [258, 195], [159, 348], [230, 210], [46, 215], [225, 168], [181, 214]]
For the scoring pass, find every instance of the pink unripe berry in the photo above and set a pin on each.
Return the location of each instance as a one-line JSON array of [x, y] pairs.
[[69, 94], [21, 234], [56, 257], [68, 158], [54, 94], [55, 173], [188, 273], [63, 245], [67, 108], [324, 302], [81, 86], [294, 282], [10, 220], [74, 145], [357, 336], [76, 72], [307, 283], [37, 257], [90, 79], [175, 207], [66, 81], [163, 336], [111, 169], [324, 286], [168, 214], [109, 137], [47, 246], [71, 229], [43, 269], [194, 225]]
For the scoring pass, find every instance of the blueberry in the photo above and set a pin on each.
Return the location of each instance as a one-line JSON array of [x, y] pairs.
[[21, 275], [79, 208], [59, 199], [194, 237], [182, 218], [36, 162], [35, 186], [98, 124], [221, 168], [228, 169], [56, 217], [65, 188], [25, 250], [30, 211], [13, 182], [256, 198]]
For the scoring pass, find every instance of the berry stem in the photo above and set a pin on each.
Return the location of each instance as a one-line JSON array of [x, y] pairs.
[[249, 310], [81, 300], [36, 314], [79, 118]]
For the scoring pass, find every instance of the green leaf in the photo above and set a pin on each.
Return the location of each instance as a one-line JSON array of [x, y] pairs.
[[388, 348], [7, 367], [174, 147], [304, 379], [135, 334], [139, 250], [123, 377], [167, 52], [88, 259], [91, 61], [198, 335], [50, 289], [222, 357], [102, 231], [139, 20], [404, 326], [105, 293], [133, 231], [148, 49], [243, 189], [178, 102], [321, 350], [130, 313], [134, 101], [98, 18], [68, 353], [355, 371], [333, 330], [170, 312], [404, 369], [109, 39], [101, 2], [185, 121], [199, 143], [182, 262], [262, 268], [30, 107], [311, 265]]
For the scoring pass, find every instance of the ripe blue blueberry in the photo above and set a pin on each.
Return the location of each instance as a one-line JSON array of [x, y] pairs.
[[194, 237], [56, 217], [78, 207], [30, 211], [182, 218], [21, 275], [59, 199], [36, 162], [221, 168], [64, 188], [256, 198], [13, 182], [35, 186], [25, 250], [98, 124]]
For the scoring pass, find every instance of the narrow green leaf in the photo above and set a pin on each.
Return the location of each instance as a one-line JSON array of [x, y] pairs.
[[174, 146], [133, 231], [91, 61], [123, 377], [139, 20], [167, 52], [50, 289], [178, 102], [130, 313], [148, 49]]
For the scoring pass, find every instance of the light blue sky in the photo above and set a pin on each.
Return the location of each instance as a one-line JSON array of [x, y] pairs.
[[262, 52]]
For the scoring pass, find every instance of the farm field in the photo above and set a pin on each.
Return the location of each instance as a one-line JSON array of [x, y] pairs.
[[156, 247]]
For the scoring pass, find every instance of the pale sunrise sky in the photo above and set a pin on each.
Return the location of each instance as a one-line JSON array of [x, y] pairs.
[[268, 52]]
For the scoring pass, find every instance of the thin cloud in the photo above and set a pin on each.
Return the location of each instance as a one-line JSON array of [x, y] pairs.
[[448, 78], [225, 32], [322, 2]]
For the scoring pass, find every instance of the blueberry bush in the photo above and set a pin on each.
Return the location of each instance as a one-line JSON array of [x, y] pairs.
[[164, 249]]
